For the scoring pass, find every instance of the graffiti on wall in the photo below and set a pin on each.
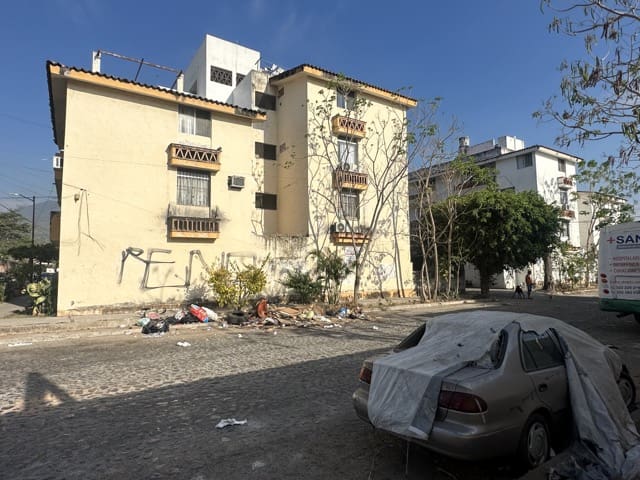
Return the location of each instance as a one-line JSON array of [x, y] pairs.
[[149, 261]]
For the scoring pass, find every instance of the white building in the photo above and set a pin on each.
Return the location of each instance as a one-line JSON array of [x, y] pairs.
[[542, 169]]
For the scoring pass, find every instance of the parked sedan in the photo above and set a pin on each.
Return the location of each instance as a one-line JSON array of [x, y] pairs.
[[513, 401]]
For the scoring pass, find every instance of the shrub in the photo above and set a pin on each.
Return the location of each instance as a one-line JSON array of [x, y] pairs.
[[304, 286], [233, 286]]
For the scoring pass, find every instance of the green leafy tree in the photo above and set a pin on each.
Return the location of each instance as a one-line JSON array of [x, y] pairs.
[[14, 231], [505, 229], [598, 93], [331, 270], [234, 285], [304, 286]]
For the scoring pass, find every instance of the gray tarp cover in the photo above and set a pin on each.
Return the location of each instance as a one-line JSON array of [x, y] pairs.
[[404, 391]]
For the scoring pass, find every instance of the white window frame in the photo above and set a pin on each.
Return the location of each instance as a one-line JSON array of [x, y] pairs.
[[346, 99], [350, 203], [348, 153], [193, 188], [194, 121]]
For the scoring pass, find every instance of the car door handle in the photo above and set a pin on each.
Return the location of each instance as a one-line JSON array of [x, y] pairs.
[[542, 387]]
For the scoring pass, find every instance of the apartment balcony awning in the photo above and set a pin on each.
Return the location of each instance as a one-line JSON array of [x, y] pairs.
[[348, 127], [565, 183], [199, 158], [193, 228], [350, 179]]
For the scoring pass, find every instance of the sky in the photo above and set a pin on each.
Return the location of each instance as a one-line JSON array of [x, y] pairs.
[[492, 62]]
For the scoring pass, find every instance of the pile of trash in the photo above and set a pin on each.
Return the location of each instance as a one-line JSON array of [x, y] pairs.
[[262, 316]]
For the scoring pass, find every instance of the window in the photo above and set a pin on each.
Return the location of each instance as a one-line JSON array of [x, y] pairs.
[[346, 99], [266, 101], [562, 165], [266, 151], [221, 75], [239, 78], [194, 122], [540, 351], [193, 188], [524, 161], [564, 230], [564, 200], [266, 201], [347, 154], [350, 203]]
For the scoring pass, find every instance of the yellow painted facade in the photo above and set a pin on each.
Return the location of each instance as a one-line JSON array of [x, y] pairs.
[[119, 244]]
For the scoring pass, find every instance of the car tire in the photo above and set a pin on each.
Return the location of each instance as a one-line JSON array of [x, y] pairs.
[[627, 389], [535, 442]]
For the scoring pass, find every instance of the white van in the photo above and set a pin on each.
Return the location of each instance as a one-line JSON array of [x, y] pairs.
[[619, 269]]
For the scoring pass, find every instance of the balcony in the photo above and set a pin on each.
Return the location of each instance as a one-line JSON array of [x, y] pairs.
[[349, 179], [198, 158], [565, 183], [341, 236], [193, 228], [348, 127], [567, 214]]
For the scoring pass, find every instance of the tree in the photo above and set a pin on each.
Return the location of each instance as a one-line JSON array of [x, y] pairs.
[[603, 202], [599, 93], [383, 155], [504, 229], [14, 231]]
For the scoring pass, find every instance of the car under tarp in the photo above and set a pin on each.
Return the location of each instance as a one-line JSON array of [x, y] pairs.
[[405, 386]]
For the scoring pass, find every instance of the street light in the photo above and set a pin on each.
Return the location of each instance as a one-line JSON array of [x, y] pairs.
[[33, 226]]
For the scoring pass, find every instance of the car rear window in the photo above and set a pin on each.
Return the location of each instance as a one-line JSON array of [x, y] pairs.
[[540, 351], [412, 339]]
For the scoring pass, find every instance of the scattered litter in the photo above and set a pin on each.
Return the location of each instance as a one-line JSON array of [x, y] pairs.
[[262, 308], [198, 312], [183, 344], [258, 464], [213, 316], [122, 326], [155, 326], [230, 421], [375, 328], [239, 335], [19, 344], [328, 326]]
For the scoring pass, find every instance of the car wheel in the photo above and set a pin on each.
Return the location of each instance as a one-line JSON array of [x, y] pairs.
[[627, 389], [535, 442]]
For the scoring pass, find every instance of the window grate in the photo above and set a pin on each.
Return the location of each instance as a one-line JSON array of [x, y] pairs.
[[221, 75]]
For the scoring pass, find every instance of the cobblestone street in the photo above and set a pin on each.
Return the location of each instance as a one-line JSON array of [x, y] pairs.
[[130, 406]]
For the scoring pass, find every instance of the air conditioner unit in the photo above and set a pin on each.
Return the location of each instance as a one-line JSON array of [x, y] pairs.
[[235, 181], [346, 166], [338, 227], [57, 161]]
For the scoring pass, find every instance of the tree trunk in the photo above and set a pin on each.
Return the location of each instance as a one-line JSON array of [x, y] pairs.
[[485, 284], [548, 272], [356, 283]]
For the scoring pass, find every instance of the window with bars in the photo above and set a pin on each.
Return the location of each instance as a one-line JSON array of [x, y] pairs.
[[194, 121], [239, 78], [221, 75], [193, 188], [346, 99], [350, 204], [266, 201], [564, 199], [266, 151], [347, 154]]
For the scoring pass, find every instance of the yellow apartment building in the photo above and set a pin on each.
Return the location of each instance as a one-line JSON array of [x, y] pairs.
[[246, 164]]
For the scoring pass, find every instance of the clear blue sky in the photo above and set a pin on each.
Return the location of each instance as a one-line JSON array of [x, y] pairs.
[[493, 62]]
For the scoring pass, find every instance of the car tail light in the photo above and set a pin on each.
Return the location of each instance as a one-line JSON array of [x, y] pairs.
[[365, 374], [462, 402]]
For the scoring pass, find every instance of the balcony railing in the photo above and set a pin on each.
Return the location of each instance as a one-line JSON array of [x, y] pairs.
[[193, 227], [350, 127], [349, 238], [567, 214], [194, 157], [350, 179], [565, 183]]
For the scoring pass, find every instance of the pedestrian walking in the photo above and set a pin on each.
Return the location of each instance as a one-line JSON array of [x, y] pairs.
[[529, 281]]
